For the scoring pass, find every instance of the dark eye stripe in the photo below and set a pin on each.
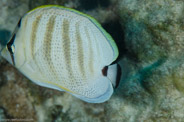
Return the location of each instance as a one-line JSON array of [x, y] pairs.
[[9, 46], [10, 43], [19, 23]]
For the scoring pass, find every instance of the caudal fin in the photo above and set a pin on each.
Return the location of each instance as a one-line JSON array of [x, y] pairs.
[[114, 74]]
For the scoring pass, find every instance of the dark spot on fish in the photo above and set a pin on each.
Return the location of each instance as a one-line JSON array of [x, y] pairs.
[[104, 71]]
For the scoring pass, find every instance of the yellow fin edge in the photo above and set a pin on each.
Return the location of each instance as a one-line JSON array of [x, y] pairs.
[[63, 88]]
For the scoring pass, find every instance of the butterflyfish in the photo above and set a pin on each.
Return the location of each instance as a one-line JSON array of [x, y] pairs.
[[66, 50]]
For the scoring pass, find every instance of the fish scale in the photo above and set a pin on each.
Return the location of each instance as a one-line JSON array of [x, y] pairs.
[[64, 49]]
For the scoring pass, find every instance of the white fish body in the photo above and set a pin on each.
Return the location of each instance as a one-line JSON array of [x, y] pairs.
[[64, 49]]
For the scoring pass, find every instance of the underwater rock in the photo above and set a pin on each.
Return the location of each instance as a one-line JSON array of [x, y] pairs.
[[11, 11], [2, 114], [150, 38], [153, 35], [14, 96], [153, 29]]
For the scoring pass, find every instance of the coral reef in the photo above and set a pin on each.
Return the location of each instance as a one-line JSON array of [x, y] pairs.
[[2, 114], [150, 38]]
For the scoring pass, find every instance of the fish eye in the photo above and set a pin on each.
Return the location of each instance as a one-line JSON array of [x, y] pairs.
[[11, 49], [10, 46]]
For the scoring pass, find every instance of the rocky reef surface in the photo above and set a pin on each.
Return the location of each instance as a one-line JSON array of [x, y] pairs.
[[150, 37]]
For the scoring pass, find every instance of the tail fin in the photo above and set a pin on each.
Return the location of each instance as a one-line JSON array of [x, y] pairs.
[[114, 74]]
